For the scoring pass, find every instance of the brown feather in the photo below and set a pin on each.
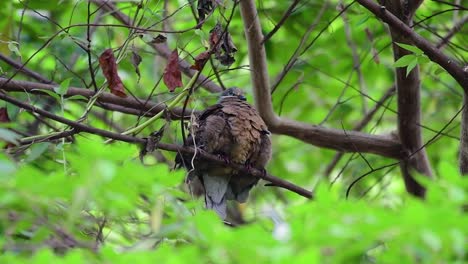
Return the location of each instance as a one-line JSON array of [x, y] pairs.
[[233, 129]]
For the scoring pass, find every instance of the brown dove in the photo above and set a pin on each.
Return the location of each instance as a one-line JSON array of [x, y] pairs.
[[234, 130]]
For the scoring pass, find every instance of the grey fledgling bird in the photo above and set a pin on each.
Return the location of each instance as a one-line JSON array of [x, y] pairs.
[[234, 130]]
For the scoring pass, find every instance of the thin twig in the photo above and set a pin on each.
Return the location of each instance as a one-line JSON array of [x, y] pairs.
[[282, 20], [80, 127]]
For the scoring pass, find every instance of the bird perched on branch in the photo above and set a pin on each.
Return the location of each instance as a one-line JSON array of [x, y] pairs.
[[234, 130]]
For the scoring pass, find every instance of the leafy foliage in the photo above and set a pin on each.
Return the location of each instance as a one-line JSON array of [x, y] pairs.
[[146, 220], [77, 199]]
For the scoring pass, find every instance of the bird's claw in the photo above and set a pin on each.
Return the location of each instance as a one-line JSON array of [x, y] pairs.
[[225, 158]]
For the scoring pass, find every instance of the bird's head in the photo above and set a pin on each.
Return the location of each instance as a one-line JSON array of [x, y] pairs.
[[233, 92]]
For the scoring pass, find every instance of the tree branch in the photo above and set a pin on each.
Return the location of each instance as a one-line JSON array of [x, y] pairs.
[[368, 117], [281, 22], [409, 101], [126, 105], [431, 51], [80, 127], [26, 71], [348, 141]]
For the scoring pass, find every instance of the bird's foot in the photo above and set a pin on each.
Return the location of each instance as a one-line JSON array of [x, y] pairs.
[[250, 167], [224, 157]]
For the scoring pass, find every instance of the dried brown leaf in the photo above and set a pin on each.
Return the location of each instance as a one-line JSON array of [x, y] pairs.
[[172, 76], [222, 45], [200, 61], [136, 60], [109, 69], [4, 118], [159, 39], [205, 7]]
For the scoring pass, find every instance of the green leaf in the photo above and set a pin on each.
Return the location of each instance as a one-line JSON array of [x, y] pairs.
[[423, 59], [9, 136], [7, 166], [439, 70], [363, 20], [50, 93], [77, 97], [413, 49], [63, 87], [411, 67], [13, 47], [405, 61], [37, 150]]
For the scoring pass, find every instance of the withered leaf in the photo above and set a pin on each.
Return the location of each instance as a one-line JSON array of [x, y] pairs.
[[200, 60], [215, 36], [172, 76], [151, 142], [159, 39], [204, 7], [222, 45], [226, 59], [228, 44], [4, 118], [109, 69], [136, 60]]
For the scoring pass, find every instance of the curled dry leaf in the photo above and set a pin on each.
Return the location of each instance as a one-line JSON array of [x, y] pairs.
[[136, 60], [172, 76], [109, 69], [200, 61], [215, 36], [4, 118], [159, 39], [205, 7], [222, 45]]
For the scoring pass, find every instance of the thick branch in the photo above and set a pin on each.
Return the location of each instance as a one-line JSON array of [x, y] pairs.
[[80, 127], [368, 117], [258, 63], [76, 125], [348, 141], [463, 156], [24, 69], [431, 51], [409, 102], [126, 105]]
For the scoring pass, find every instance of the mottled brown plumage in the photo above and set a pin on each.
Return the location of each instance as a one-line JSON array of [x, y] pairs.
[[234, 130]]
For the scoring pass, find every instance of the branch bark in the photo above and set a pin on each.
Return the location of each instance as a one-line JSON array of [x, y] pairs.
[[463, 155], [368, 117], [109, 101], [80, 127], [409, 102], [347, 141], [24, 69], [431, 51]]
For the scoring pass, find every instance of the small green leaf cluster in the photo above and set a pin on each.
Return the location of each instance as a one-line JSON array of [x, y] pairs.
[[410, 61]]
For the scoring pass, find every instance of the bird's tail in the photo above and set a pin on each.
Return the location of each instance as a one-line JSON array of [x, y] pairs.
[[215, 193]]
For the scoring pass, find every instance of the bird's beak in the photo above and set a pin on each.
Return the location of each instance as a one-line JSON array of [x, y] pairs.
[[243, 98]]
